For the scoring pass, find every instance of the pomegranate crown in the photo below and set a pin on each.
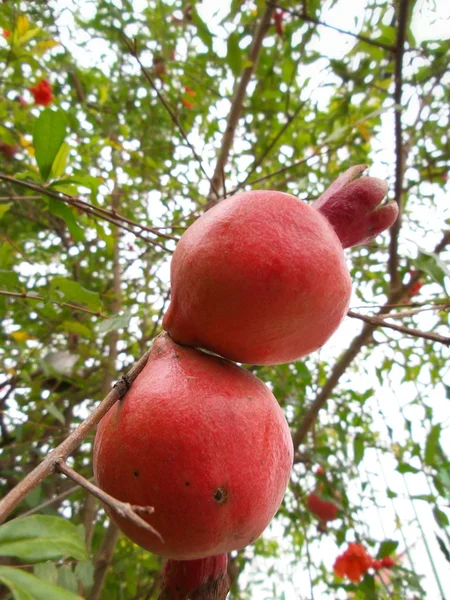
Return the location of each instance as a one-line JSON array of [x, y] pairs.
[[353, 207]]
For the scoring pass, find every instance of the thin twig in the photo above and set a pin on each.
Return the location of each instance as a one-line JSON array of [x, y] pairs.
[[61, 452], [124, 509], [111, 216], [133, 51], [53, 500], [26, 296], [238, 102], [380, 322], [305, 17]]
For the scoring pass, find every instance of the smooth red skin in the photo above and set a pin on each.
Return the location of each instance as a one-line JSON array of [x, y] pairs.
[[326, 511], [260, 279], [191, 424]]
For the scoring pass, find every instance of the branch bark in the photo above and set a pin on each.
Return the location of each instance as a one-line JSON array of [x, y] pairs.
[[104, 559], [237, 104], [401, 151]]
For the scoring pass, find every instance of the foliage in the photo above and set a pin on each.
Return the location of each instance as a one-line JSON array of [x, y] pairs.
[[85, 290]]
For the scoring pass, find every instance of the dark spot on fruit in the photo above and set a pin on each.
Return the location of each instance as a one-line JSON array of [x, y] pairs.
[[220, 495], [261, 462], [187, 484], [136, 474], [176, 356], [250, 397]]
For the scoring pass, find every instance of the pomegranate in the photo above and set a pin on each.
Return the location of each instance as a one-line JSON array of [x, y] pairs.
[[205, 443], [261, 277], [324, 510]]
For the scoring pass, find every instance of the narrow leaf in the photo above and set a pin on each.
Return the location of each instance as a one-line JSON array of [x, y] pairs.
[[61, 210], [41, 537], [25, 586], [432, 445], [74, 292], [387, 548], [60, 162], [49, 134]]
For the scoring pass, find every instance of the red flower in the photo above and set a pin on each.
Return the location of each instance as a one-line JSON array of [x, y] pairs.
[[187, 104], [376, 564], [353, 563], [6, 33], [326, 511], [320, 471], [189, 91], [42, 93], [387, 562]]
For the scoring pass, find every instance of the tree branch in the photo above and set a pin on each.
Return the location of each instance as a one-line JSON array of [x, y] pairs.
[[103, 559], [352, 351], [95, 211], [238, 102], [26, 296], [400, 150], [380, 322], [305, 17], [124, 509], [61, 452], [133, 51]]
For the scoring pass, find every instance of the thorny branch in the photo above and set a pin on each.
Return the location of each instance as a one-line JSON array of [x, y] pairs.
[[124, 509], [96, 211], [61, 452]]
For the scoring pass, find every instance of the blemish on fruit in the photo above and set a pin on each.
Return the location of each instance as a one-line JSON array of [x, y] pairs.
[[136, 474], [187, 484], [176, 356], [249, 397], [220, 495]]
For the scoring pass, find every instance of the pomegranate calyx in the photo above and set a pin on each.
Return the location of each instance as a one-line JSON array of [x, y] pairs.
[[353, 207], [201, 579]]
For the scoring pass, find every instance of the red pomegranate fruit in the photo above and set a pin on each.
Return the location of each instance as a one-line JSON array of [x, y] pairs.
[[205, 443], [324, 510], [261, 277]]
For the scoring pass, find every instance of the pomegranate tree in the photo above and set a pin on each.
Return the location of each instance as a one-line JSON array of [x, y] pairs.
[[206, 444], [261, 277]]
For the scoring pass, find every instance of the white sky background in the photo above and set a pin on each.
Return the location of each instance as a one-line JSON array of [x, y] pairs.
[[294, 582]]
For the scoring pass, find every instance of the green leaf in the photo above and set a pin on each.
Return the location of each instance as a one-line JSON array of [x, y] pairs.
[[49, 133], [60, 162], [443, 547], [440, 517], [4, 209], [76, 327], [67, 578], [41, 537], [387, 548], [74, 292], [119, 322], [406, 468], [9, 279], [54, 411], [431, 264], [432, 444], [61, 210], [25, 586], [234, 56], [358, 449], [202, 30], [84, 572], [46, 571]]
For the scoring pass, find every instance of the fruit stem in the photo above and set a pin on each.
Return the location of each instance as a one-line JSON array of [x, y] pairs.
[[200, 579]]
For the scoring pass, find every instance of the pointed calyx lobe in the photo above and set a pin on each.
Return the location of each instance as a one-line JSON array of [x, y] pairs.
[[201, 579], [354, 208]]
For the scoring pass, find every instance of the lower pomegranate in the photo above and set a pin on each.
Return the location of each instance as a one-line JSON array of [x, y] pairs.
[[205, 443]]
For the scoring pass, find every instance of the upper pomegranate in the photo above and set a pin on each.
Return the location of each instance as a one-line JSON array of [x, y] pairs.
[[261, 277]]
